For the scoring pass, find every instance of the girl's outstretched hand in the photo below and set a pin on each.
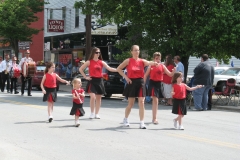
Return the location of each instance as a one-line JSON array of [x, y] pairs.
[[68, 82], [43, 91]]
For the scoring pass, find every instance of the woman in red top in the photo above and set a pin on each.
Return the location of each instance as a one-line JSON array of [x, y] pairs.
[[154, 87], [49, 86], [179, 96], [95, 87], [167, 84], [135, 85]]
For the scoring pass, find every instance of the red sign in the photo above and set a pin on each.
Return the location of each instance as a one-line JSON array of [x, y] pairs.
[[65, 58], [55, 25]]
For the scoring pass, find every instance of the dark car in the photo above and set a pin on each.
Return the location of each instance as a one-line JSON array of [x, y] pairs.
[[37, 78], [112, 80]]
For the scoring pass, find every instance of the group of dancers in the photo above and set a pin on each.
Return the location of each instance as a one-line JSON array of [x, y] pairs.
[[135, 87], [8, 67]]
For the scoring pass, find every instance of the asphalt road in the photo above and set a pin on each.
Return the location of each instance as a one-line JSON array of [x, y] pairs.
[[25, 133]]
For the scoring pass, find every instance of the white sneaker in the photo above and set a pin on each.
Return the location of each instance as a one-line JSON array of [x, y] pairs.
[[97, 116], [175, 123], [181, 128], [124, 100], [77, 124], [125, 122], [91, 116], [142, 126], [50, 119]]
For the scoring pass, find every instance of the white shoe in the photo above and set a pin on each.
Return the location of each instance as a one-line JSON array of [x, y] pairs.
[[77, 124], [124, 100], [181, 127], [50, 119], [97, 116], [91, 116], [142, 126], [125, 122], [175, 123]]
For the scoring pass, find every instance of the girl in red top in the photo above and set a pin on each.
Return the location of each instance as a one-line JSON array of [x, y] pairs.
[[179, 96], [156, 78], [135, 85], [48, 86], [78, 99], [167, 84], [95, 87]]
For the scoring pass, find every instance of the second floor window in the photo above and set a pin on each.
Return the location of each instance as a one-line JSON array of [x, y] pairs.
[[51, 13], [63, 13], [76, 17]]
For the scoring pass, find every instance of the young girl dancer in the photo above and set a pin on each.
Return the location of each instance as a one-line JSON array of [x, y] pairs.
[[179, 95], [95, 87], [78, 99], [49, 85], [154, 86]]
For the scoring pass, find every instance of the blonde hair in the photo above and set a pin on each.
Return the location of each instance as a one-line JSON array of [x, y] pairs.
[[156, 54], [75, 80]]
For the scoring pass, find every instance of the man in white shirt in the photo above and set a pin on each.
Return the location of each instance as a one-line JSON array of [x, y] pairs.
[[5, 65], [27, 58], [0, 72]]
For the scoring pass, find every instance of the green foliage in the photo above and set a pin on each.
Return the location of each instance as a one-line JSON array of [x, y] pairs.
[[16, 16], [185, 28]]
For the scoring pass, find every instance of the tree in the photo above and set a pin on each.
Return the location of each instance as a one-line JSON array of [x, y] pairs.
[[16, 16], [185, 28]]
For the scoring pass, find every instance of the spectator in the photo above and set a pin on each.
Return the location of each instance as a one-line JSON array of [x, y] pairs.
[[204, 75], [179, 65]]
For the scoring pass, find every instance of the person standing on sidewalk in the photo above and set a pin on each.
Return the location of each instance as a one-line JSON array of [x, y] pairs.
[[27, 79], [204, 75], [5, 65], [135, 84], [95, 86], [154, 87], [179, 65]]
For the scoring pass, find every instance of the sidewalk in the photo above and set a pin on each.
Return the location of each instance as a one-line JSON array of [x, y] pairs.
[[66, 88]]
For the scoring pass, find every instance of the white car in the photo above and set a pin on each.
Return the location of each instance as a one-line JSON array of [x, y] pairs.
[[233, 72], [219, 70]]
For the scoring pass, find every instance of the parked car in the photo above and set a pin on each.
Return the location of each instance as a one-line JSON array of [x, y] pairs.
[[220, 80], [37, 78], [219, 70], [112, 80]]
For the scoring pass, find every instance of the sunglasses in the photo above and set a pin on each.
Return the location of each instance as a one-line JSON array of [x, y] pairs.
[[97, 52]]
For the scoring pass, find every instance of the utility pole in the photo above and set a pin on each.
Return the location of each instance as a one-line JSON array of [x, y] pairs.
[[88, 36]]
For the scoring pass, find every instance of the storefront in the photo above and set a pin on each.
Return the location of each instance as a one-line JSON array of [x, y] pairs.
[[66, 60]]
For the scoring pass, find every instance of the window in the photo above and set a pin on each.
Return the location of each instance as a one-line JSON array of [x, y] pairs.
[[51, 13], [64, 13], [76, 17]]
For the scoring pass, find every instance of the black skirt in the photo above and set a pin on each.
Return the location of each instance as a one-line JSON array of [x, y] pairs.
[[136, 89], [76, 107], [154, 89], [96, 86], [179, 107], [50, 91]]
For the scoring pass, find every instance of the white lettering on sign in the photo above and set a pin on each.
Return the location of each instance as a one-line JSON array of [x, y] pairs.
[[55, 25]]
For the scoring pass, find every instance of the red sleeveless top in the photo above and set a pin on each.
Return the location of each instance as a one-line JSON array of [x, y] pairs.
[[78, 91], [50, 81], [95, 68], [166, 78], [156, 73], [180, 91], [135, 68]]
